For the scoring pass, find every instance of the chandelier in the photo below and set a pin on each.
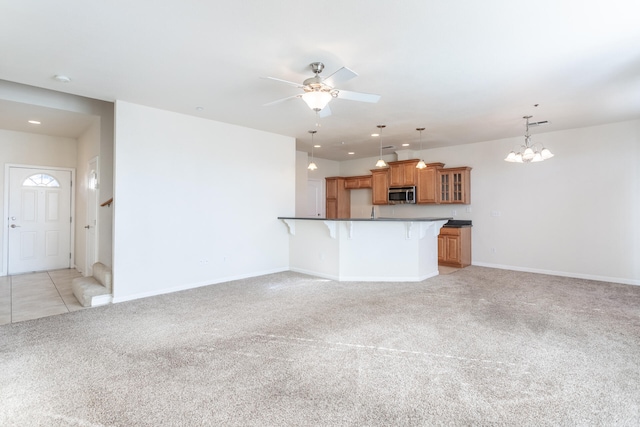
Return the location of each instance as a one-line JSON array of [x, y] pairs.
[[529, 152]]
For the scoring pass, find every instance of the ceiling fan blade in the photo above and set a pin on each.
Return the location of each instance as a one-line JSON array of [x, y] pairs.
[[358, 96], [278, 101], [340, 76], [298, 85], [325, 112]]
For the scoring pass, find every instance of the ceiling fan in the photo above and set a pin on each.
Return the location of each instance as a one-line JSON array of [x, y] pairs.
[[318, 91]]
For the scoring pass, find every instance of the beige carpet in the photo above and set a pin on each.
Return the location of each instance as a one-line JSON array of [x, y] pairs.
[[476, 347]]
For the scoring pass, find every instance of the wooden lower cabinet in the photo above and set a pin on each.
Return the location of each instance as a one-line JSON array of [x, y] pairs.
[[454, 246]]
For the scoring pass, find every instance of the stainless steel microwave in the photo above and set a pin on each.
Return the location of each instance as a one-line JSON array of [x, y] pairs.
[[402, 195]]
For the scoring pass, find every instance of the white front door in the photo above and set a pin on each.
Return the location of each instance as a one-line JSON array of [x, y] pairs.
[[39, 219]]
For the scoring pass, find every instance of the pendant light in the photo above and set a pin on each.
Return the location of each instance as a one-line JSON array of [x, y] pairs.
[[312, 166], [421, 164], [381, 163], [529, 152]]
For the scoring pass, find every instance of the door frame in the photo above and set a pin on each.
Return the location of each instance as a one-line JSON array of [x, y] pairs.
[[5, 210], [88, 266]]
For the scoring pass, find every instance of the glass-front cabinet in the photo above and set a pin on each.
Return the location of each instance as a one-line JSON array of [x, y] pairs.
[[455, 185]]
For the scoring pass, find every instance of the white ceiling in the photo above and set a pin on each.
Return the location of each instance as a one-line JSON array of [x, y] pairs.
[[466, 70]]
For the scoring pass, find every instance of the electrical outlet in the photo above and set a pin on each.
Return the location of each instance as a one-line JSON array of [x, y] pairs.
[[454, 212], [493, 250], [495, 213], [468, 209]]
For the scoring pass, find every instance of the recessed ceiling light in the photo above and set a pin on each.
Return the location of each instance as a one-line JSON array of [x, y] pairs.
[[405, 145], [351, 152], [34, 122], [62, 79], [375, 134], [317, 146], [199, 108]]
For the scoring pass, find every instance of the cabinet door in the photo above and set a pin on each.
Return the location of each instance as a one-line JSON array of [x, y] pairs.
[[409, 173], [332, 208], [456, 187], [332, 188], [426, 185], [452, 249], [396, 175], [364, 182], [380, 187], [444, 187]]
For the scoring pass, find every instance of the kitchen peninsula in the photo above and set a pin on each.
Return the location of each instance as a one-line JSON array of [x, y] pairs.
[[362, 249]]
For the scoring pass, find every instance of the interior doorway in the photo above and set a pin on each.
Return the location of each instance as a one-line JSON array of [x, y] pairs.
[[40, 223], [315, 198]]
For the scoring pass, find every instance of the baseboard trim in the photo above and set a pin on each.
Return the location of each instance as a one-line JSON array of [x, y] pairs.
[[621, 280], [101, 300], [117, 299]]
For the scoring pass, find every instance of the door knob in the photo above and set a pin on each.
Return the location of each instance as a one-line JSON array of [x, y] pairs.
[[14, 226], [87, 227]]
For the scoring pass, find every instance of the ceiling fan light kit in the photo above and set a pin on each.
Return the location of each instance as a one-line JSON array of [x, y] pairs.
[[318, 91], [317, 99], [529, 152]]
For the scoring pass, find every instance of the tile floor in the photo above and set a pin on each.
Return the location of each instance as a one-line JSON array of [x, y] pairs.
[[34, 295]]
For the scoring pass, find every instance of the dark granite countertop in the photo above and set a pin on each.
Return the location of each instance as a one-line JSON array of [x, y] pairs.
[[423, 219], [458, 223]]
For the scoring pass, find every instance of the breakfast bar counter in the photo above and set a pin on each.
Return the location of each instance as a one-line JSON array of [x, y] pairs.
[[363, 249]]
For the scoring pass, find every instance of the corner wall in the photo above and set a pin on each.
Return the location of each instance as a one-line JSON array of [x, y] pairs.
[[196, 202]]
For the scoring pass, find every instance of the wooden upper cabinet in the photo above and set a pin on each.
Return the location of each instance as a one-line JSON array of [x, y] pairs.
[[427, 183], [402, 173], [356, 182], [379, 186], [454, 185]]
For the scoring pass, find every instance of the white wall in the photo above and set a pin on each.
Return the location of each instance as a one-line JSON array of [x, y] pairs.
[[573, 215], [196, 201], [88, 148], [31, 149]]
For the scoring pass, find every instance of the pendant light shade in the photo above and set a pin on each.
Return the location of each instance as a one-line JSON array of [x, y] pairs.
[[380, 163], [312, 166], [421, 164], [529, 152]]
